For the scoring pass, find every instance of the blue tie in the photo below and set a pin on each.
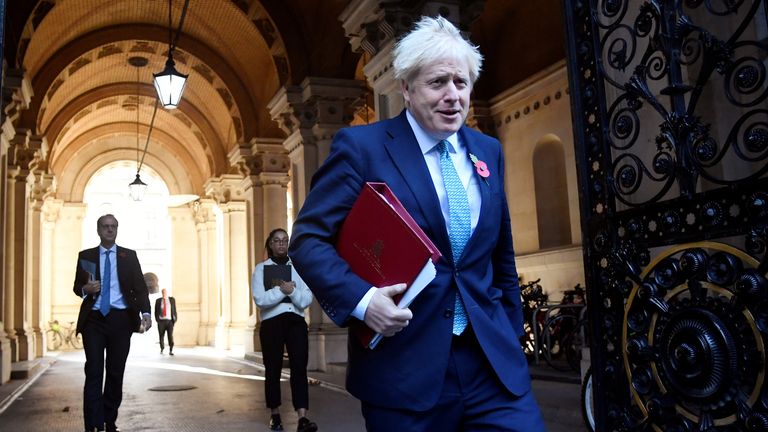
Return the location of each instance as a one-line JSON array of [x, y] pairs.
[[105, 284], [459, 223]]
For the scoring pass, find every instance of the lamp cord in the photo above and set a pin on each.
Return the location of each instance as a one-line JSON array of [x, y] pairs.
[[172, 43], [149, 133]]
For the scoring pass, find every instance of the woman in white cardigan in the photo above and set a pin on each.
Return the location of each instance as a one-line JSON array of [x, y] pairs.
[[282, 300]]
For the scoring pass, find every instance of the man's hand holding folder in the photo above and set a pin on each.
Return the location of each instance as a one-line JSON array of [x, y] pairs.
[[383, 315], [385, 246]]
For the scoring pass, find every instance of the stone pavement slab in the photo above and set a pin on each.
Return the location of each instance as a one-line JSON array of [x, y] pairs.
[[227, 394]]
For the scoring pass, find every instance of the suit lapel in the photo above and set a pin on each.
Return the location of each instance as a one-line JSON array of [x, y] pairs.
[[483, 183], [406, 155], [93, 256]]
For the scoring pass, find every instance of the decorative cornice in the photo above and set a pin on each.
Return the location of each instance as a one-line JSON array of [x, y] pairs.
[[530, 96]]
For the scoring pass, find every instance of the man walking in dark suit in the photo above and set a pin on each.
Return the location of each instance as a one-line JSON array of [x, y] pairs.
[[115, 304], [452, 361], [165, 315]]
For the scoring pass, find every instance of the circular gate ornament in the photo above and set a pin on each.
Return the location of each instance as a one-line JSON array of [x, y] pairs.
[[694, 352]]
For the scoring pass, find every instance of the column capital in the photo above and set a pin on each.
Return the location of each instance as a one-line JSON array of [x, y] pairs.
[[260, 155], [51, 209], [224, 189], [27, 152], [17, 92], [203, 211], [317, 100], [41, 187]]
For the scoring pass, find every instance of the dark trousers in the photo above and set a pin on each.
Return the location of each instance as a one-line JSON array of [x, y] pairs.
[[110, 334], [290, 331], [164, 326], [473, 399]]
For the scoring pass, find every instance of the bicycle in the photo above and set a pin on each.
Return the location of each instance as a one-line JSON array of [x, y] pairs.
[[58, 335], [532, 297], [565, 333]]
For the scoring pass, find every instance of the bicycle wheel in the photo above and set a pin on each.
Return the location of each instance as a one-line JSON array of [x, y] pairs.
[[76, 340], [587, 407], [552, 341], [53, 340], [575, 341]]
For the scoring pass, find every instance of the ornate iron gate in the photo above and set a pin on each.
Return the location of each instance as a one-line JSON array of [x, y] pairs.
[[670, 114]]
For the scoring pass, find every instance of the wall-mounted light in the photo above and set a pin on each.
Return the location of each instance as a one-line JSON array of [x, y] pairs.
[[170, 83]]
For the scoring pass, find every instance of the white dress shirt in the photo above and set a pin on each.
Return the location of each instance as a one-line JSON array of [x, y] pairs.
[[115, 295]]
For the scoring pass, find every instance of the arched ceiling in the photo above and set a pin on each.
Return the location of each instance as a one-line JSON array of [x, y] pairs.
[[238, 53]]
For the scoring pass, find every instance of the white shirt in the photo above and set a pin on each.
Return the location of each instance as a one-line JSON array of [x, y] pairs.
[[270, 300], [115, 295], [464, 168], [167, 303]]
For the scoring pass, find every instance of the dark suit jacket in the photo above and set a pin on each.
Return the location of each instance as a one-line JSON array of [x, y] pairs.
[[173, 308], [132, 285], [408, 369]]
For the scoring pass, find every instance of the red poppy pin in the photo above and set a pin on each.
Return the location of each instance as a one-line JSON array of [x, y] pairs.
[[122, 254], [481, 167]]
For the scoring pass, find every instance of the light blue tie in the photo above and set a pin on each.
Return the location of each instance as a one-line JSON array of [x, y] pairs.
[[459, 223], [105, 285]]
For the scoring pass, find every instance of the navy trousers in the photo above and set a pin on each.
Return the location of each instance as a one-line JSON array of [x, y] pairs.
[[473, 399], [110, 335]]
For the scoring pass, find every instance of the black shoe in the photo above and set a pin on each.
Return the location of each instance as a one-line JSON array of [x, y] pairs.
[[94, 429], [111, 427], [161, 350], [171, 353], [275, 424], [305, 425]]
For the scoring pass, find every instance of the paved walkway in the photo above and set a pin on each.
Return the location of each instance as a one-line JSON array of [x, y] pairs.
[[224, 393]]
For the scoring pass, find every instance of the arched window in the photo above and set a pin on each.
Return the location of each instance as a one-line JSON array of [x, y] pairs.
[[552, 212]]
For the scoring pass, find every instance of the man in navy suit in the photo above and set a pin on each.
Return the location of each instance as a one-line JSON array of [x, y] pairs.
[[115, 304], [452, 361]]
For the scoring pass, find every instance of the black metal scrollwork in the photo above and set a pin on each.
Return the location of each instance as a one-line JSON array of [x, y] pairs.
[[662, 69]]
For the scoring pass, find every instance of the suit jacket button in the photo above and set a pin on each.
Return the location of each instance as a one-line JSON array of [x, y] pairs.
[[448, 313]]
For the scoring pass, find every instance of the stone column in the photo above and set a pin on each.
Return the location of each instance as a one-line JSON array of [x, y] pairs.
[[311, 114], [39, 185], [264, 165], [7, 134], [227, 191], [185, 274], [205, 211], [16, 95], [50, 211], [17, 326]]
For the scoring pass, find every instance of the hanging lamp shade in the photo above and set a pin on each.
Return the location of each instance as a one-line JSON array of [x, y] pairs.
[[137, 188], [170, 84]]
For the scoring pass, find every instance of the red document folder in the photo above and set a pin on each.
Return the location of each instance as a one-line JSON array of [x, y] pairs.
[[384, 246]]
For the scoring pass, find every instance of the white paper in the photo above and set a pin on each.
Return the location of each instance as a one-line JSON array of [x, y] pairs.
[[426, 275]]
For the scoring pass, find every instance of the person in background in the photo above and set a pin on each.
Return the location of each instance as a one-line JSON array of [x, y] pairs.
[[452, 361], [282, 301], [115, 304], [165, 315]]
